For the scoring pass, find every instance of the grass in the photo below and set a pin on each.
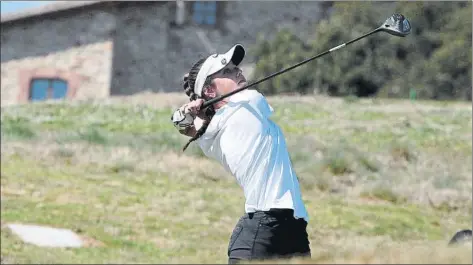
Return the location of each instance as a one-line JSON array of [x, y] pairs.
[[382, 183], [433, 253], [383, 194]]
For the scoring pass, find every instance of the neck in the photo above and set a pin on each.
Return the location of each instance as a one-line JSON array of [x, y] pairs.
[[224, 101], [220, 104]]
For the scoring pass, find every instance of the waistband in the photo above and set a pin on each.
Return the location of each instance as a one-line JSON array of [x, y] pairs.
[[273, 212]]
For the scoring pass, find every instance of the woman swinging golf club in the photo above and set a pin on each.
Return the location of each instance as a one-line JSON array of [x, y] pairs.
[[238, 133]]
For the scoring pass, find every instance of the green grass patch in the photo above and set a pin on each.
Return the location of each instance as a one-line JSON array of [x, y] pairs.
[[16, 128], [406, 222], [183, 211], [383, 194]]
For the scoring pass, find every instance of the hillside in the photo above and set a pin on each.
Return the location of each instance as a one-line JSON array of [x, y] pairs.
[[384, 180]]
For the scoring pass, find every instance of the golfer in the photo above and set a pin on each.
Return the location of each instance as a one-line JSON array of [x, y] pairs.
[[239, 134]]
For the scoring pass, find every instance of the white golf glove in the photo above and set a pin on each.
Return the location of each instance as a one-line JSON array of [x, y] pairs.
[[182, 118]]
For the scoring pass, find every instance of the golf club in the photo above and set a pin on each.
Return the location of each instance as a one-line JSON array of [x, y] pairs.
[[396, 25]]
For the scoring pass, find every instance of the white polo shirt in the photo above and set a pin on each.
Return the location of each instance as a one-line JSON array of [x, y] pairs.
[[252, 148]]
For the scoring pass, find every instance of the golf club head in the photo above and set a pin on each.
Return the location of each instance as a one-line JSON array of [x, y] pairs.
[[397, 25]]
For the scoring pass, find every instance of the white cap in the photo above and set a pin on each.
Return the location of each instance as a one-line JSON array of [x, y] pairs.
[[217, 62]]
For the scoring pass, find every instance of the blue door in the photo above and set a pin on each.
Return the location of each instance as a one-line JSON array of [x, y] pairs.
[[212, 12], [205, 12], [198, 16]]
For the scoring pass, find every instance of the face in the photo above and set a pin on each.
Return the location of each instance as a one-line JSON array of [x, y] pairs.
[[225, 81]]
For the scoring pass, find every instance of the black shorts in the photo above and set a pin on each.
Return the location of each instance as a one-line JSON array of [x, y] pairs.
[[268, 235]]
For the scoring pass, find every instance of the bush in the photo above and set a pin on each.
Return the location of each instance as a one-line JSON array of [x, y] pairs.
[[434, 60], [282, 52]]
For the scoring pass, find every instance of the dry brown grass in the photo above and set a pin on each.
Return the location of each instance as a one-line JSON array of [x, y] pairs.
[[390, 253], [119, 158], [406, 191]]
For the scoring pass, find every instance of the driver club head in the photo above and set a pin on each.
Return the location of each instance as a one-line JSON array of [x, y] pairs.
[[397, 25]]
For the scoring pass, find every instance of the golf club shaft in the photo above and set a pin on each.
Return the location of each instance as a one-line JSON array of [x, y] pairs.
[[217, 99]]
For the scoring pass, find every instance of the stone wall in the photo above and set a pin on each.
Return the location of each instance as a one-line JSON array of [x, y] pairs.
[[243, 22], [162, 58], [86, 68], [76, 46], [49, 34], [140, 48], [147, 52]]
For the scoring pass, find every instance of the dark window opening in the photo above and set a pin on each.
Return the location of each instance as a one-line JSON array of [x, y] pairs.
[[46, 88]]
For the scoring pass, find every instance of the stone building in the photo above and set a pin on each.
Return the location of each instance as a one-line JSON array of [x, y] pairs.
[[94, 49]]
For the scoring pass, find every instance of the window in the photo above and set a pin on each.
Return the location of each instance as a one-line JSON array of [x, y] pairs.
[[205, 13], [43, 89]]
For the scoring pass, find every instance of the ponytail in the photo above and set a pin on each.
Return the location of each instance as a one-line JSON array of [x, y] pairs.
[[189, 82]]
